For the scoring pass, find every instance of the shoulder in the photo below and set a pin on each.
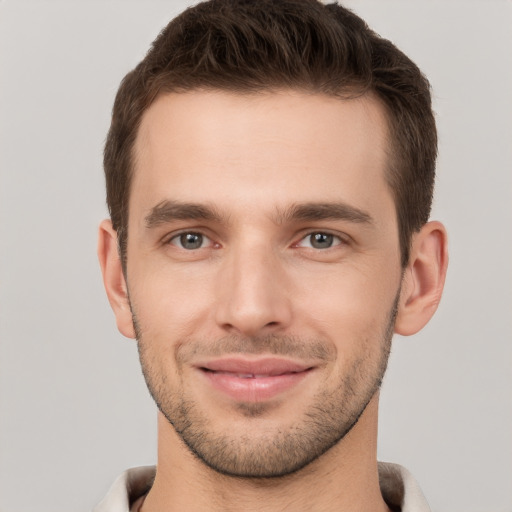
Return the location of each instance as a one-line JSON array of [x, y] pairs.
[[129, 486], [400, 489]]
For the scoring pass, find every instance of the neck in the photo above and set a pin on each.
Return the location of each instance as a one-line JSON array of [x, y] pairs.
[[344, 478]]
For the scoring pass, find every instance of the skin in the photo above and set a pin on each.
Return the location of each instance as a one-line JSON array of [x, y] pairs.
[[265, 168]]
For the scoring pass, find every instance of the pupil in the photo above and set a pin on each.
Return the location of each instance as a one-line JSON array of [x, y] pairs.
[[321, 240], [191, 240]]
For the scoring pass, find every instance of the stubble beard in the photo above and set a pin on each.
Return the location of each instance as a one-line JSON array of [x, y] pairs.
[[279, 452]]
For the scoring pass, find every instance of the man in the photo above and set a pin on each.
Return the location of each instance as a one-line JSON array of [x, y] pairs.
[[270, 168]]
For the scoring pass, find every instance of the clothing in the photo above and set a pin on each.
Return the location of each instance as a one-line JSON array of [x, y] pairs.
[[398, 487]]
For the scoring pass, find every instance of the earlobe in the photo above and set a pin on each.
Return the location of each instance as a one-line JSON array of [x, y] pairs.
[[113, 278], [423, 280]]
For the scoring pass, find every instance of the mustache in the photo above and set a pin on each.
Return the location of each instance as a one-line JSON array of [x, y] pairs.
[[289, 346], [277, 345]]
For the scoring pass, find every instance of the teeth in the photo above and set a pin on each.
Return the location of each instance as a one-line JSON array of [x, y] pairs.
[[249, 375], [252, 375]]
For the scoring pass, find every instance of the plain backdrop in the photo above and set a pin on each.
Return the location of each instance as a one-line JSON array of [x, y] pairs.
[[74, 410]]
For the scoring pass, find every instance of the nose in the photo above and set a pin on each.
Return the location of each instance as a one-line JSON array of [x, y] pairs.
[[253, 295]]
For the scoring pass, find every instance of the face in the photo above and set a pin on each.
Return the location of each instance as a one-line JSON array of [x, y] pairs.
[[263, 270]]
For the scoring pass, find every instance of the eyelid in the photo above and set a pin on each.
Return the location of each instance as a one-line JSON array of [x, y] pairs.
[[168, 239], [343, 238]]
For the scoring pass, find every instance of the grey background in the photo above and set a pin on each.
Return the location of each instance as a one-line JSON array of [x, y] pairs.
[[74, 411]]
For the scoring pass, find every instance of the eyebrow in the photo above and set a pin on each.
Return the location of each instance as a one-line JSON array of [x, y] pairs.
[[324, 211], [168, 211]]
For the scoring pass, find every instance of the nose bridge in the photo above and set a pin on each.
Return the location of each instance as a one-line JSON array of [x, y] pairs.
[[252, 292]]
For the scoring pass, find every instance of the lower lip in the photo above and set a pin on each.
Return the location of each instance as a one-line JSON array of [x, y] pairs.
[[257, 389]]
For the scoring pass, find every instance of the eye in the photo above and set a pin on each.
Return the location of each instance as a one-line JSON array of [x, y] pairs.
[[190, 241], [320, 240]]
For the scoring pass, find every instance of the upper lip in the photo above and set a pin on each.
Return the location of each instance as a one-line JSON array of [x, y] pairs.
[[270, 366]]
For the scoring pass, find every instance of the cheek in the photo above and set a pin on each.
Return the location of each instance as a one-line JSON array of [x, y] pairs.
[[169, 305], [349, 303]]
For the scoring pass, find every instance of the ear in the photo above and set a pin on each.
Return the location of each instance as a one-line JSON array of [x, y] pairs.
[[113, 278], [424, 277]]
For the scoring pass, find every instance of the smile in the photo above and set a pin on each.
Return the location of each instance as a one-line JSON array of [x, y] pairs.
[[249, 375], [253, 380]]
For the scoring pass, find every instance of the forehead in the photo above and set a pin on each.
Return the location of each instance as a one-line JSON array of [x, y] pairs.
[[284, 145]]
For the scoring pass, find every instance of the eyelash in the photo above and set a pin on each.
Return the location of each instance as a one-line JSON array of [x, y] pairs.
[[336, 239], [178, 236]]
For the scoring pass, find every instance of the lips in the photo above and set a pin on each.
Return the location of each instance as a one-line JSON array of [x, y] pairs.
[[253, 380], [249, 375]]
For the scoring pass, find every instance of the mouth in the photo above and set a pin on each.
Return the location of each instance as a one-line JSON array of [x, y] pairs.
[[253, 380]]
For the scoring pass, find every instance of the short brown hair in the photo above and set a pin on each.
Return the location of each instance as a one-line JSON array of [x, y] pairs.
[[249, 46]]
